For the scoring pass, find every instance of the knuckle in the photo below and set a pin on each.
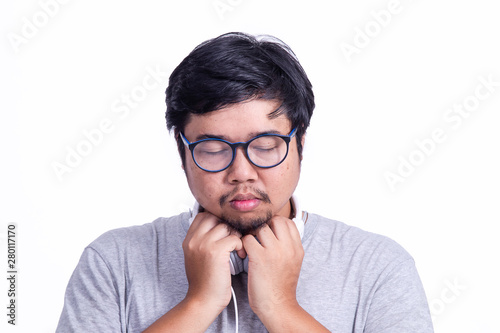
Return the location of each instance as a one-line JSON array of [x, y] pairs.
[[234, 238], [188, 246]]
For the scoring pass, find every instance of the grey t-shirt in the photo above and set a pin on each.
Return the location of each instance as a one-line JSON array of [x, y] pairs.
[[351, 281]]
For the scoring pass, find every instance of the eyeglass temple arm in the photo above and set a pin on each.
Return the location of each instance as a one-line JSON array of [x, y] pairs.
[[184, 139]]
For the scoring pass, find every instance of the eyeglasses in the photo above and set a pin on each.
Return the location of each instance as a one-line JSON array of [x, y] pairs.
[[263, 151]]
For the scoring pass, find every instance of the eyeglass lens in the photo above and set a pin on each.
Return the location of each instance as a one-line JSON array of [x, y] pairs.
[[265, 151]]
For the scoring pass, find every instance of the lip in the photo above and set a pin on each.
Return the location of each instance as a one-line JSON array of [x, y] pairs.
[[244, 202]]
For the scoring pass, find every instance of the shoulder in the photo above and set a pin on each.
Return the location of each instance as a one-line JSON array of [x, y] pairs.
[[141, 238], [375, 276], [362, 248]]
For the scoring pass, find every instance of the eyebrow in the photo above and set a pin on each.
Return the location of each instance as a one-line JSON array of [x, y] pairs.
[[223, 137]]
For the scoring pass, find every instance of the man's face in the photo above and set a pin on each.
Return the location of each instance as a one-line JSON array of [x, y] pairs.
[[244, 196]]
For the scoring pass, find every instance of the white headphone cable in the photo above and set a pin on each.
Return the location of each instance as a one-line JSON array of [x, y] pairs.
[[235, 309]]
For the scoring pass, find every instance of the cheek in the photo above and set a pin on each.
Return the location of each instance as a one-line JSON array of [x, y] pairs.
[[291, 174], [282, 180], [203, 185]]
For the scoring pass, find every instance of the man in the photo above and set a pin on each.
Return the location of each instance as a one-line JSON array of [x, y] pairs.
[[239, 107]]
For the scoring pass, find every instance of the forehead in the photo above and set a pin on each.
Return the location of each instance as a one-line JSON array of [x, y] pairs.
[[239, 122]]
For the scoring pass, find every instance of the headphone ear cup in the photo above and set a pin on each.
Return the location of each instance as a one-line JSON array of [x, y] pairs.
[[300, 225], [245, 264], [236, 265], [191, 219]]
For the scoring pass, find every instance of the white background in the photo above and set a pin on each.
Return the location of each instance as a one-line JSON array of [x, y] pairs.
[[70, 70]]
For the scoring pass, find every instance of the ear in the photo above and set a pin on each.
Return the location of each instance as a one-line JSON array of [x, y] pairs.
[[302, 142], [177, 137]]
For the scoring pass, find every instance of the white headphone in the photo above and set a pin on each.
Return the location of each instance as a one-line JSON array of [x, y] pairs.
[[238, 265]]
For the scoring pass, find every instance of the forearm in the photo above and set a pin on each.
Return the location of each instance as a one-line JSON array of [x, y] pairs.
[[188, 316], [292, 318]]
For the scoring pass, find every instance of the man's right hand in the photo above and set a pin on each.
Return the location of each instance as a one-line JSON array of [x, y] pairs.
[[207, 248]]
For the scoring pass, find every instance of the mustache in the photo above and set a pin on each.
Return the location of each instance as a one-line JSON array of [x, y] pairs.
[[260, 195]]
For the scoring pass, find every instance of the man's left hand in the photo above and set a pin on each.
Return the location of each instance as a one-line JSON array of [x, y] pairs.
[[274, 267]]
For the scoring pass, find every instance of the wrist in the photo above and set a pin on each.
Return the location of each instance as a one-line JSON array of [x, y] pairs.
[[197, 304], [272, 312], [190, 315], [290, 317]]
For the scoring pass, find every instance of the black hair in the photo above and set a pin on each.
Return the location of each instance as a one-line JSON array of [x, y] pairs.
[[233, 68]]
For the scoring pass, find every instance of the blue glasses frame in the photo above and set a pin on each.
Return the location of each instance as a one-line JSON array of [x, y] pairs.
[[234, 146]]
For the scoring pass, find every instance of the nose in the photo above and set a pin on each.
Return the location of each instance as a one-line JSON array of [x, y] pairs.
[[242, 170]]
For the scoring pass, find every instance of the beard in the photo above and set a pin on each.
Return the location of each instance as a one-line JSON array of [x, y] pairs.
[[245, 226]]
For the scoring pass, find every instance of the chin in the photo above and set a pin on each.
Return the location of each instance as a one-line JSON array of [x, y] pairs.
[[246, 226]]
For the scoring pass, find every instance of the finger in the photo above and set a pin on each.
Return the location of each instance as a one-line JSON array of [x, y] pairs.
[[204, 222], [266, 236], [233, 231], [284, 229], [294, 232], [251, 245], [219, 232], [279, 227], [230, 243], [242, 253]]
